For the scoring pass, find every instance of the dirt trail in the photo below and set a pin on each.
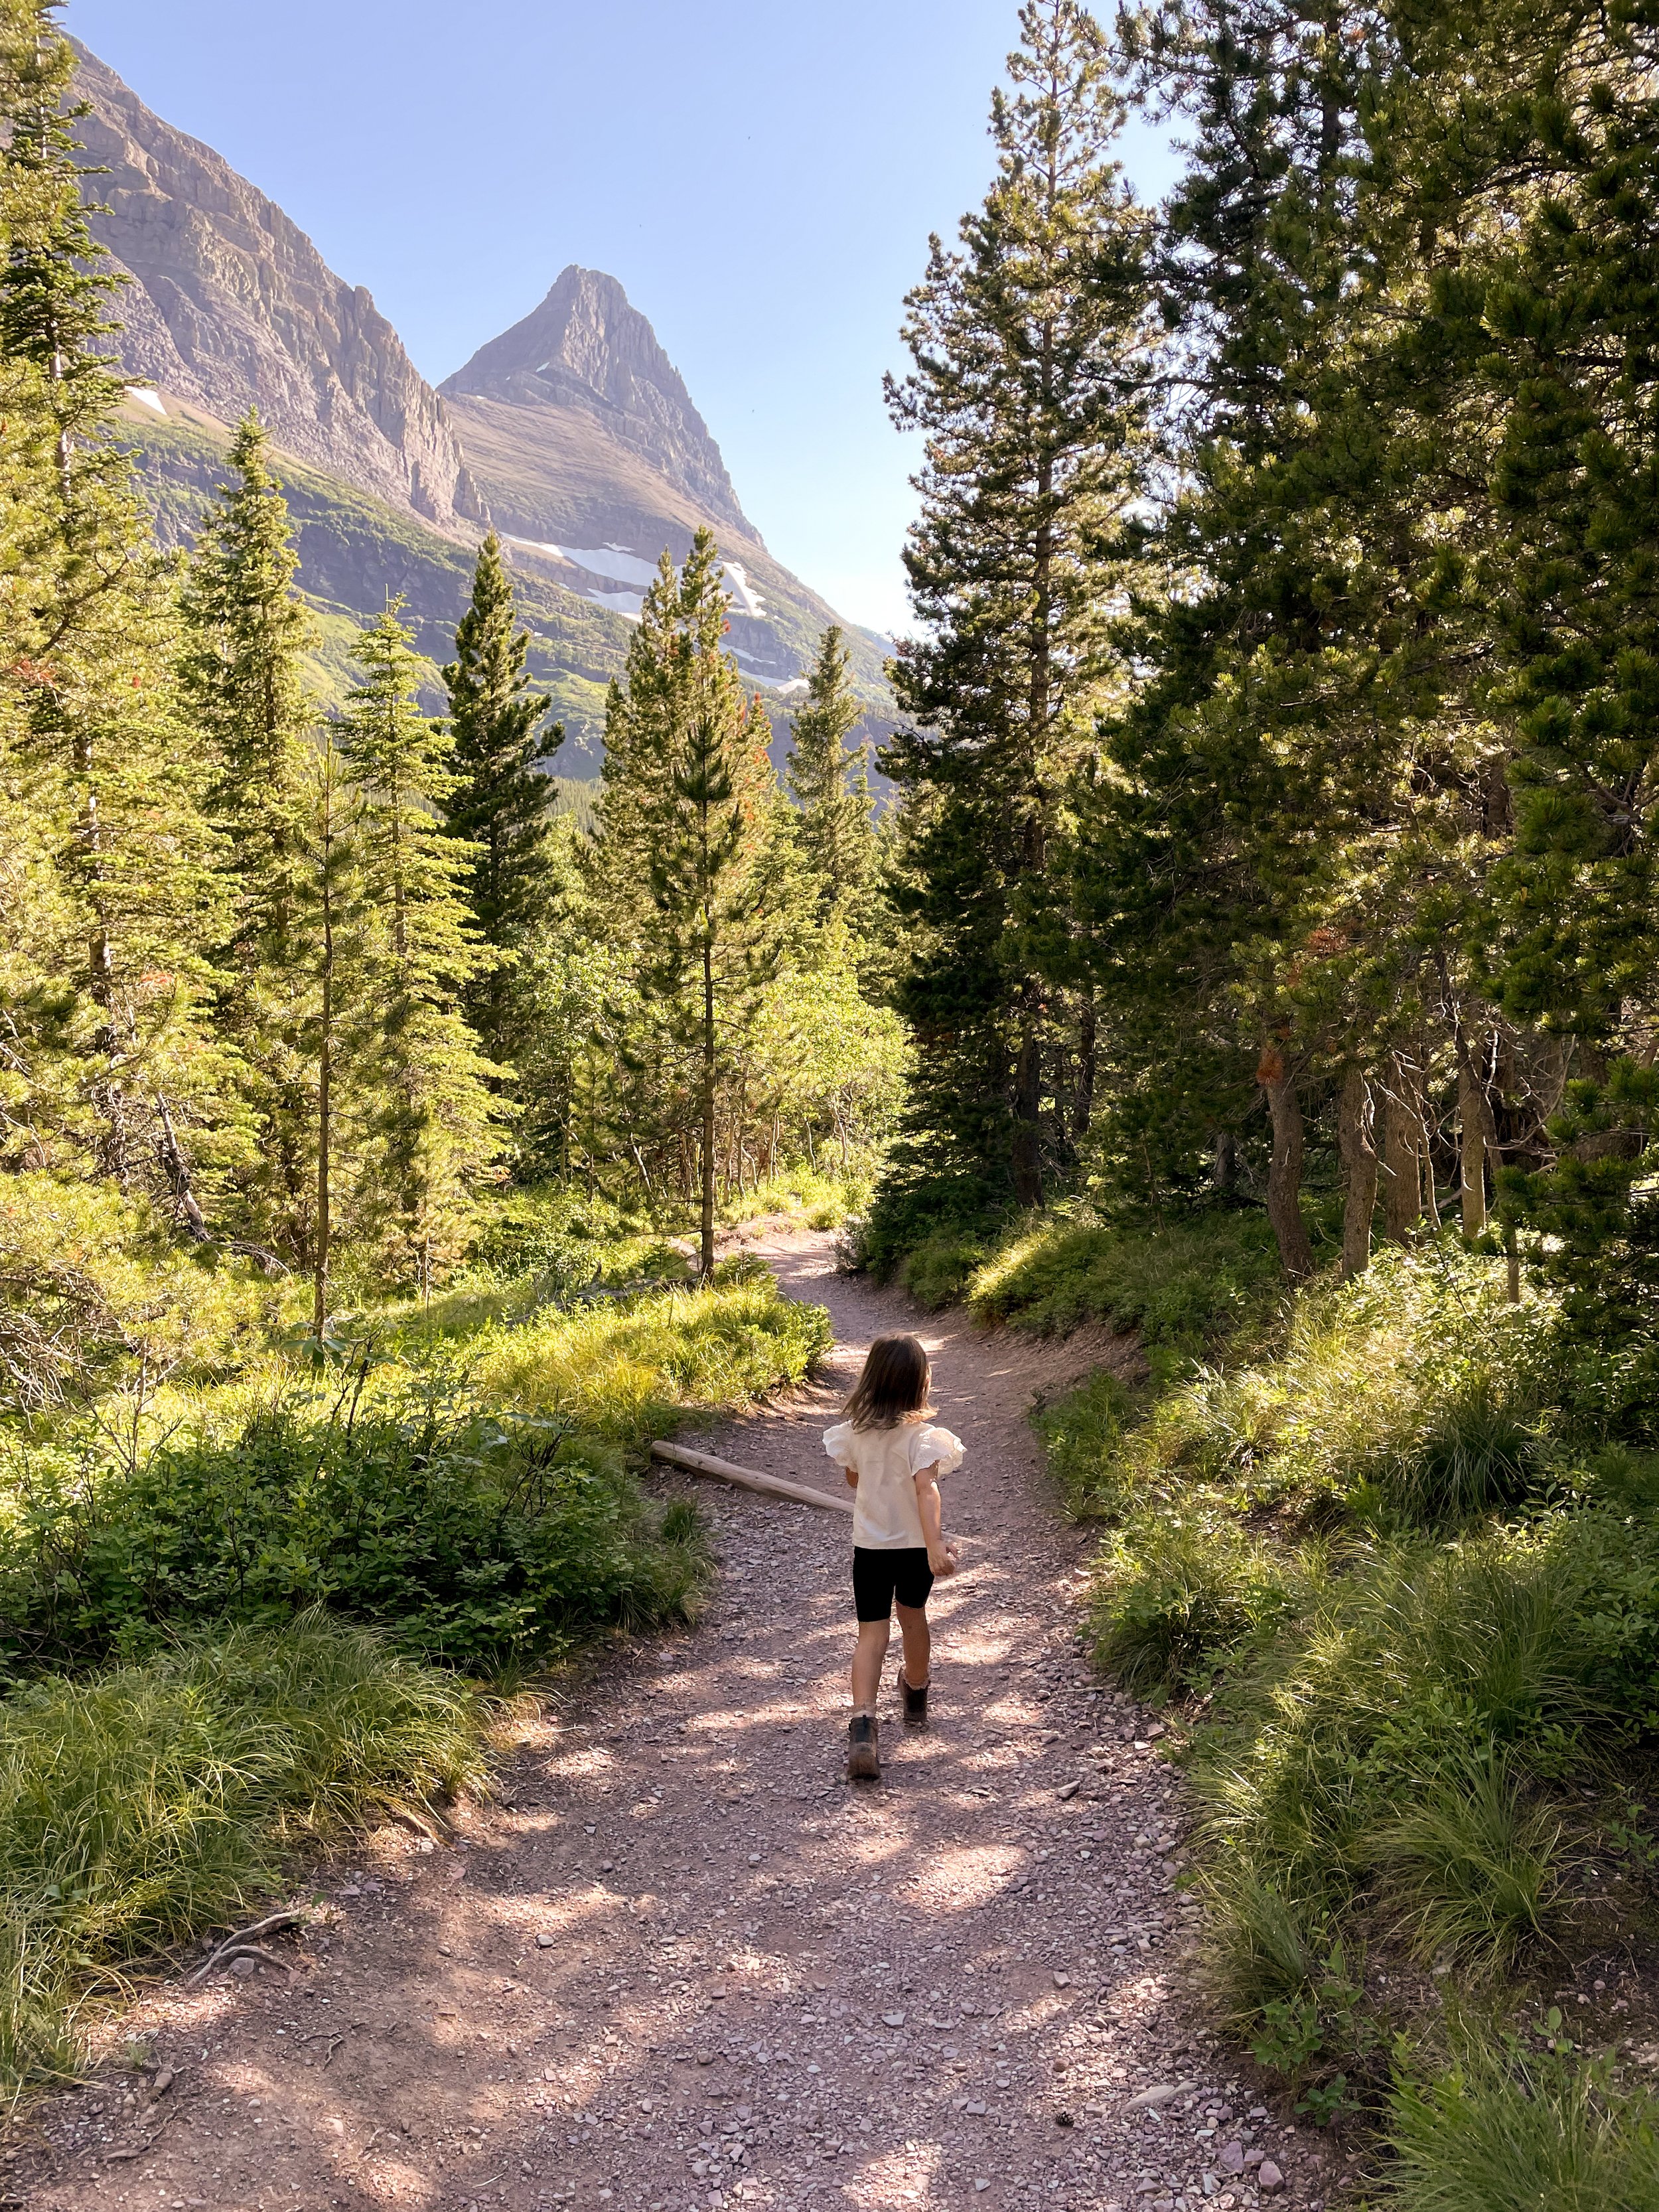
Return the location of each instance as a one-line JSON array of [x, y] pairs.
[[683, 1964]]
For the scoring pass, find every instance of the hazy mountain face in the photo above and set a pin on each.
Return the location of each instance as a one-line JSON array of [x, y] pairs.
[[572, 432], [231, 305], [589, 363]]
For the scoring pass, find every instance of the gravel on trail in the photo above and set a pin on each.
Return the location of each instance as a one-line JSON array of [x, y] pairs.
[[680, 1962]]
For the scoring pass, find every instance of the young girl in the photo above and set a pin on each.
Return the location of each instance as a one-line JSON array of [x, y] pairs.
[[893, 1460]]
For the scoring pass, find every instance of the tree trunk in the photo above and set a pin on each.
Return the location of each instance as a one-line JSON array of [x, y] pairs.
[[1083, 1104], [1027, 1157], [324, 1093], [1478, 1145], [1402, 1164], [708, 1239], [1357, 1138], [1473, 1116], [1425, 1136], [1285, 1175], [1223, 1163], [177, 1170]]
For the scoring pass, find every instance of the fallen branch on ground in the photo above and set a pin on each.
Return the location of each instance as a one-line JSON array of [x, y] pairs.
[[769, 1485], [243, 1943]]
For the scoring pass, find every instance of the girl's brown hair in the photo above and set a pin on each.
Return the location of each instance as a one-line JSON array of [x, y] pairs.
[[893, 1386]]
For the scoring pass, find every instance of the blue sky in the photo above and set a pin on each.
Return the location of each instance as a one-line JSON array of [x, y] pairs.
[[762, 176]]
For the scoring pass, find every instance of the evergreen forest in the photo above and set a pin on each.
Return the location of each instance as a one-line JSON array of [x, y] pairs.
[[1248, 944]]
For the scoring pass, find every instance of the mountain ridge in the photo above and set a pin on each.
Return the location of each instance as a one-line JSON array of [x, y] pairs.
[[587, 348], [229, 303], [571, 431]]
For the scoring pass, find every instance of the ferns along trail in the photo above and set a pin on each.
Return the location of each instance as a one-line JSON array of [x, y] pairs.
[[1211, 994]]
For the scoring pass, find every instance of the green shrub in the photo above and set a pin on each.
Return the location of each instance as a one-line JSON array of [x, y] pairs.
[[741, 1270], [938, 1273], [142, 1805], [94, 1288], [1174, 1596], [1515, 2132], [629, 1370], [1180, 1284], [467, 1541], [914, 1204]]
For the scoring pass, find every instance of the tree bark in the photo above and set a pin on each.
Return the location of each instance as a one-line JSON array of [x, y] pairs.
[[1472, 1147], [1223, 1163], [1083, 1106], [1477, 1143], [1357, 1138], [1402, 1159], [708, 1238], [1027, 1150], [1285, 1175]]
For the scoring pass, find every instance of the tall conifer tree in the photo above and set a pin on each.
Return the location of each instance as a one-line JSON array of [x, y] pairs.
[[124, 1066], [830, 782], [246, 634], [500, 803], [681, 842], [1028, 344], [429, 1123]]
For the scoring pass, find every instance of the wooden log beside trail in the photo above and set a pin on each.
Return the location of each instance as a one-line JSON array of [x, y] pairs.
[[769, 1485]]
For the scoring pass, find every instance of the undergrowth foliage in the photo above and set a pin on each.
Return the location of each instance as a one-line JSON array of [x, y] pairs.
[[1386, 1547], [471, 1498], [223, 1589], [146, 1802]]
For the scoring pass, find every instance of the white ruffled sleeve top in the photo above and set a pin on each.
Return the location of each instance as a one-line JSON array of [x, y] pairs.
[[885, 1514]]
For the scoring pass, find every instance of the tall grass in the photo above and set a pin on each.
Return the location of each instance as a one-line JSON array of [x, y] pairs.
[[1182, 1285], [141, 1805], [1416, 1396], [1513, 2132], [625, 1373], [1392, 1761], [1177, 1595], [1394, 1536]]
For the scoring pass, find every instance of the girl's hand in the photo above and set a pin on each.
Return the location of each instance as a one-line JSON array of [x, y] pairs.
[[943, 1559]]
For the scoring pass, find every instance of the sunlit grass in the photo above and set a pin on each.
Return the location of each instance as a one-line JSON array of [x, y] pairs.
[[139, 1806]]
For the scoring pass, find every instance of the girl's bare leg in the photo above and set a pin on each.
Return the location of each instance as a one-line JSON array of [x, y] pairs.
[[917, 1645], [867, 1663]]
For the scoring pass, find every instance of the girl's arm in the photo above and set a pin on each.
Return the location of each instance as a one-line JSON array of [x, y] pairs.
[[852, 1474], [940, 1558]]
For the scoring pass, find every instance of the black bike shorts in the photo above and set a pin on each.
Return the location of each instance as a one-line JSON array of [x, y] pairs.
[[879, 1577]]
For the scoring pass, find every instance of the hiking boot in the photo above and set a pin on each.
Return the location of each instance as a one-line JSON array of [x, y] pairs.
[[863, 1754], [915, 1703]]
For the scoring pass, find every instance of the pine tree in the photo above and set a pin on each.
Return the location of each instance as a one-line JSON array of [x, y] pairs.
[[830, 782], [330, 954], [118, 1065], [429, 1122], [1229, 860], [246, 634], [681, 841], [501, 802], [56, 282], [1028, 346]]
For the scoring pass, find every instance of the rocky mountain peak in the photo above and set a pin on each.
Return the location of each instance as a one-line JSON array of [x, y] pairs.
[[586, 349], [230, 305]]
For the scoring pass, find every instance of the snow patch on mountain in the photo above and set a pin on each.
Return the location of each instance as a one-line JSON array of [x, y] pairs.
[[748, 599]]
